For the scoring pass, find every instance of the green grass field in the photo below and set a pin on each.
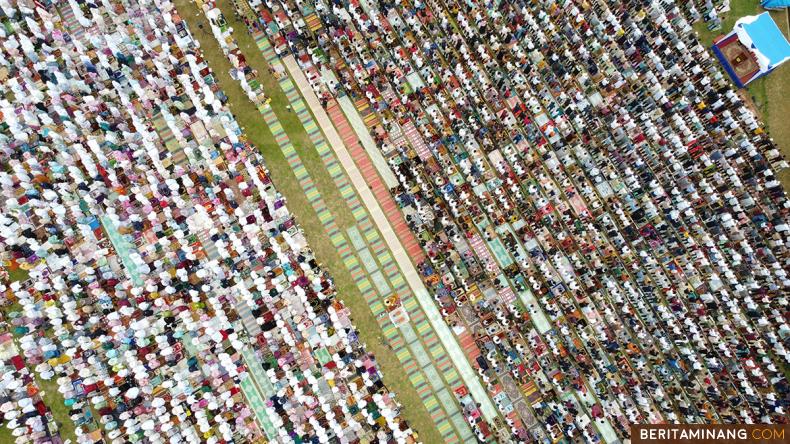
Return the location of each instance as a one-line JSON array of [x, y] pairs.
[[52, 398], [17, 275], [60, 411], [285, 181], [768, 94]]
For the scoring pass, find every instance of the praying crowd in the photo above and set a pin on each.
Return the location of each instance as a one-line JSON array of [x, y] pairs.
[[597, 203], [600, 211], [162, 286]]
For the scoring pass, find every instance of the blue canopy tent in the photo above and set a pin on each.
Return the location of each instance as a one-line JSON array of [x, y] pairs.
[[775, 4], [754, 48]]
